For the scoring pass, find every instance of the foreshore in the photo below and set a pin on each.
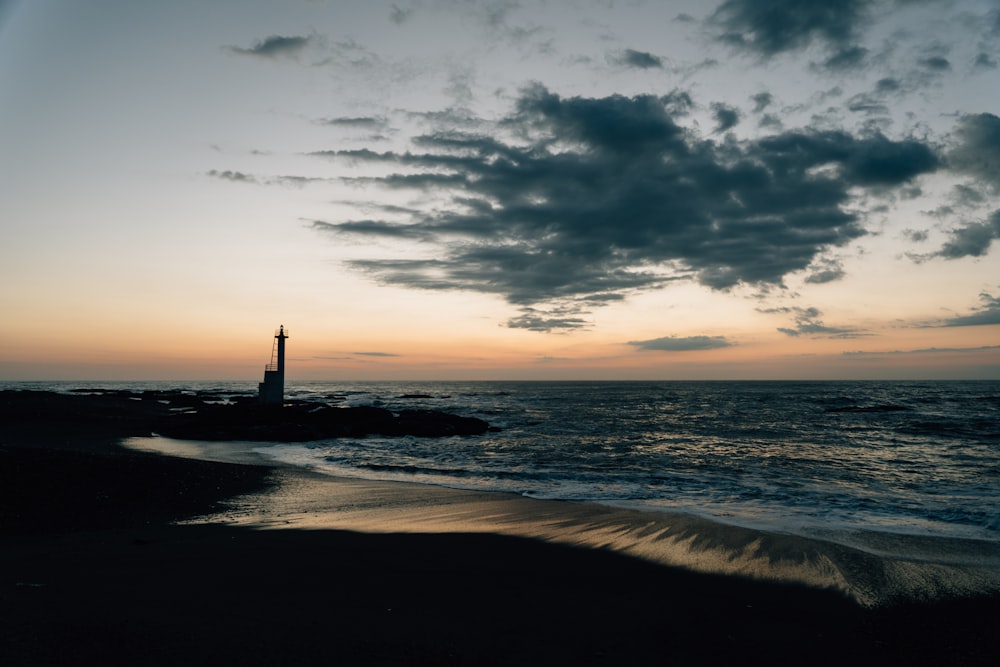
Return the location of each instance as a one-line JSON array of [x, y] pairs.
[[116, 556]]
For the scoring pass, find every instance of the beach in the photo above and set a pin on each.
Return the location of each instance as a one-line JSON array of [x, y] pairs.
[[112, 555]]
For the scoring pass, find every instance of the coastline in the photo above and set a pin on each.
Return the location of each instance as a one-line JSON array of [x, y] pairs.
[[872, 574], [390, 573]]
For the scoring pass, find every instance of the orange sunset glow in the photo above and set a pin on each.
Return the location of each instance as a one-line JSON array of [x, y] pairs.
[[445, 195]]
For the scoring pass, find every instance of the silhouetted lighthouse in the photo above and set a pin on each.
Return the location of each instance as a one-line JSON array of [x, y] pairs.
[[272, 389]]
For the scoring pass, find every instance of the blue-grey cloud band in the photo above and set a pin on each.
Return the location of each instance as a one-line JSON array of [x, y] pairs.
[[588, 198]]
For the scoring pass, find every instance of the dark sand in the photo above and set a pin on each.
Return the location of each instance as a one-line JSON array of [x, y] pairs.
[[94, 571]]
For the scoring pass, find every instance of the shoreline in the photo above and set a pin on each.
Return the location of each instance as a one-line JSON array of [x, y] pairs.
[[307, 499], [111, 561]]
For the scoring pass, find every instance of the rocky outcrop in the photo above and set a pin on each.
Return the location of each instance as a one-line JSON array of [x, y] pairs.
[[209, 416], [308, 421]]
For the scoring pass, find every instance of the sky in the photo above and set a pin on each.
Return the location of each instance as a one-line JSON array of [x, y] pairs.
[[472, 190]]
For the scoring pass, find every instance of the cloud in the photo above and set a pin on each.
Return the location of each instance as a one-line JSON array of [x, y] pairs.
[[372, 227], [234, 176], [637, 59], [240, 177], [867, 103], [688, 344], [274, 46], [888, 90], [497, 21], [771, 27], [976, 148], [965, 196], [971, 240], [398, 15], [887, 85], [935, 63], [536, 320], [826, 271], [807, 323], [847, 58], [726, 117], [988, 313], [984, 61], [375, 354], [761, 101], [926, 350], [357, 122], [573, 201]]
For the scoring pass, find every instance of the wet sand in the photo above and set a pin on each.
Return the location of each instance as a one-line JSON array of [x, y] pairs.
[[96, 569]]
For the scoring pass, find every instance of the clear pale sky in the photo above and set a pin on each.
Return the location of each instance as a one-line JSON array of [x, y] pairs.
[[448, 189]]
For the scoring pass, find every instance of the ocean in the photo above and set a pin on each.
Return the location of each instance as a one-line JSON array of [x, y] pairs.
[[842, 461]]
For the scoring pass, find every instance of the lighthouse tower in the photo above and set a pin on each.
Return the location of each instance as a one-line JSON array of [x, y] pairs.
[[272, 389]]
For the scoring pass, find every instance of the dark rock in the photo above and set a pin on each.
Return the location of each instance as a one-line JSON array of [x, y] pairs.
[[203, 417], [310, 421], [432, 423]]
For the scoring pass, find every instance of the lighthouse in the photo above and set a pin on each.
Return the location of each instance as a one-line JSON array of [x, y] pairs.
[[272, 389]]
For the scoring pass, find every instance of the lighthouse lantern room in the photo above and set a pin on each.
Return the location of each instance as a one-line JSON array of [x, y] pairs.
[[272, 389]]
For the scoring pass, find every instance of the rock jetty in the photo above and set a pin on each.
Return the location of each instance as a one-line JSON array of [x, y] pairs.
[[215, 416]]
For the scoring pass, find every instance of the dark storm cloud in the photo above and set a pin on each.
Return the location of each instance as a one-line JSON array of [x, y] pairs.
[[988, 313], [637, 59], [867, 161], [274, 46], [770, 27], [591, 199], [976, 151], [684, 344], [726, 117]]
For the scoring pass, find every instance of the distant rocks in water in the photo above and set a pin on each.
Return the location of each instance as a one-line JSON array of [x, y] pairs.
[[299, 422], [208, 415]]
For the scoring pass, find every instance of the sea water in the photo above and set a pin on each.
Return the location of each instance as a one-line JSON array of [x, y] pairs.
[[818, 459]]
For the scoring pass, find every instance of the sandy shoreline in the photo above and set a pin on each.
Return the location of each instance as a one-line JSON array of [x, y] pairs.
[[307, 500], [96, 569]]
